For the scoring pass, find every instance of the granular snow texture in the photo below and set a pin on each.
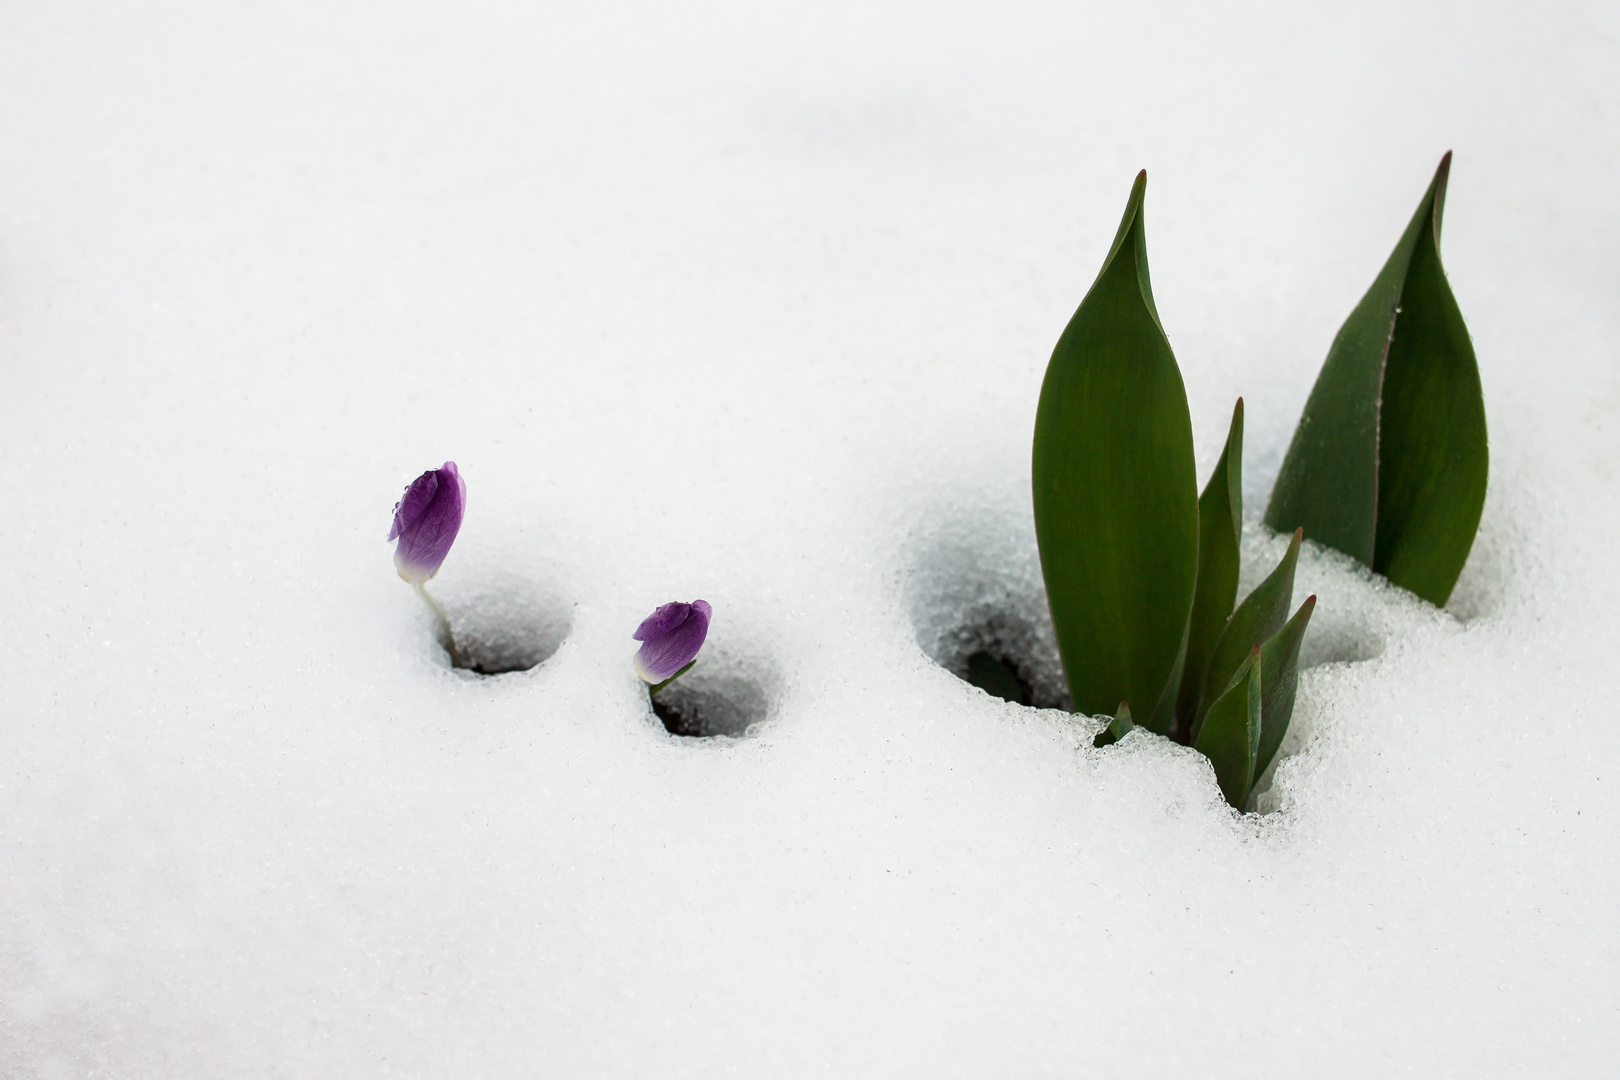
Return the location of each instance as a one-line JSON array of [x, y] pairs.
[[751, 303]]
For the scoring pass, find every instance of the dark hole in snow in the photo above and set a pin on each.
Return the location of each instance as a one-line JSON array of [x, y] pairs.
[[997, 678], [1006, 654], [978, 607], [505, 623], [714, 698]]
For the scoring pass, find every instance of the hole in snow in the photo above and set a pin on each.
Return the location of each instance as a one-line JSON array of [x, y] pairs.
[[978, 607], [721, 695], [505, 622]]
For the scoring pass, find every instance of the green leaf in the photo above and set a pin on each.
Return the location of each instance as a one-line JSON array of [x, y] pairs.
[[1390, 458], [1115, 488], [1279, 656], [1433, 451], [1230, 736], [1163, 720], [1121, 727], [1255, 620], [1220, 517], [995, 678]]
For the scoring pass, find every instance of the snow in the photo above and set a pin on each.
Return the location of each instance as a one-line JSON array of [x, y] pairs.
[[751, 304]]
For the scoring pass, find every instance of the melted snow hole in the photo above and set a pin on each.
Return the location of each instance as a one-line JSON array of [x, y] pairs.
[[505, 622], [978, 608], [723, 695]]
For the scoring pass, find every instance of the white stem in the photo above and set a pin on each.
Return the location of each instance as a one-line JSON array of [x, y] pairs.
[[446, 637]]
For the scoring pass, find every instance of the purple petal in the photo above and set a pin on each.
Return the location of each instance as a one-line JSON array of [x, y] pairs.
[[426, 521], [666, 618], [670, 639], [415, 500]]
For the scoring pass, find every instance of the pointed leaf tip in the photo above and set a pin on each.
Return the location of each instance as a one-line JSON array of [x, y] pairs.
[[1442, 176], [1262, 613], [1281, 664], [1220, 528], [1115, 488], [1121, 726], [1230, 736], [1389, 461]]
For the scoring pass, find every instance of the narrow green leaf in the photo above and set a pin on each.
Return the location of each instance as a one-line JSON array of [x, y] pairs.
[[1163, 720], [1389, 460], [1433, 454], [1280, 658], [995, 678], [1114, 486], [1220, 518], [1255, 620], [1230, 736], [1121, 727]]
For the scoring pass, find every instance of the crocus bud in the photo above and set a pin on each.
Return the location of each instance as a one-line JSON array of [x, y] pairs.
[[670, 639], [426, 521]]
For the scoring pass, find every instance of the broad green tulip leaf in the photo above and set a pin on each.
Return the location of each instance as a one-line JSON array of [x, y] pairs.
[[995, 678], [1279, 657], [1220, 519], [1390, 458], [1256, 619], [1115, 490], [1230, 736], [1433, 455], [1121, 727]]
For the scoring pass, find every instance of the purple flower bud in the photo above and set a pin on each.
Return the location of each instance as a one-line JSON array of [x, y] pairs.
[[670, 639], [426, 521]]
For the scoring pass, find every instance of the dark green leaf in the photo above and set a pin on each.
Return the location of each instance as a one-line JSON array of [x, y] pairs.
[[1389, 460], [1163, 720], [1279, 656], [1255, 620], [1220, 517], [1230, 736], [1328, 483], [1121, 727], [996, 679], [1432, 449], [1115, 491]]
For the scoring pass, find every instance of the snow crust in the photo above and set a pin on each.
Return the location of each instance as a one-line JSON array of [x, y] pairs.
[[752, 304]]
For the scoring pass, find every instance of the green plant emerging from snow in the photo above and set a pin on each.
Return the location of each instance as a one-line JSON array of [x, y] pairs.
[[1388, 464]]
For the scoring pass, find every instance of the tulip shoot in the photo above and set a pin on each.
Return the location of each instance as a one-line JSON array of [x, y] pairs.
[[1141, 570]]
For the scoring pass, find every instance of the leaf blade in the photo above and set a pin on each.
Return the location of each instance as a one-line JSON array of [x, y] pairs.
[[1279, 657], [1220, 516], [1230, 736], [1328, 482], [1260, 615], [1434, 456], [1114, 489]]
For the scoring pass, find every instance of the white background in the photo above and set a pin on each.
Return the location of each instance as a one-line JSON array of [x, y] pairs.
[[751, 303]]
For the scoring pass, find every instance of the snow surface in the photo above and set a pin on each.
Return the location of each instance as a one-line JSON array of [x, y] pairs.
[[751, 304]]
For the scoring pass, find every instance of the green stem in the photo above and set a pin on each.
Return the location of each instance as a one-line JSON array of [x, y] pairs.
[[652, 690], [446, 637]]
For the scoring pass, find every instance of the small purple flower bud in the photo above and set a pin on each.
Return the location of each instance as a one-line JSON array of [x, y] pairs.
[[426, 521], [670, 639]]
